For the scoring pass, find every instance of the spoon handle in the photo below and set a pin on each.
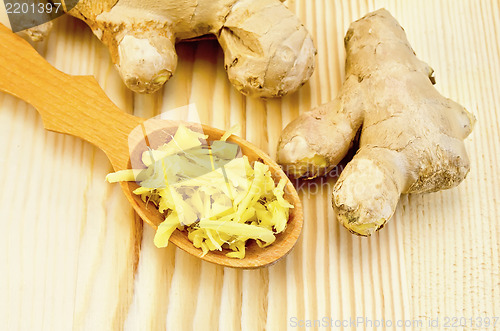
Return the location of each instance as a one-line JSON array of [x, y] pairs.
[[74, 105]]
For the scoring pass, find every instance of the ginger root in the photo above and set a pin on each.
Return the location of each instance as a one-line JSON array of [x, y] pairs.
[[39, 32], [268, 52], [411, 136]]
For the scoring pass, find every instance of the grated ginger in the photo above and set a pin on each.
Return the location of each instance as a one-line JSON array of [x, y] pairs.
[[211, 192]]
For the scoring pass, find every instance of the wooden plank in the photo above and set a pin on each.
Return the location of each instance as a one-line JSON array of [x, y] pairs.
[[68, 253]]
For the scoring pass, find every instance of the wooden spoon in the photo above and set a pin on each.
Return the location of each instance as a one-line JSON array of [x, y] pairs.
[[76, 105]]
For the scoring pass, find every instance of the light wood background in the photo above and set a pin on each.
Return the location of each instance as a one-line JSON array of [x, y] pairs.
[[73, 255]]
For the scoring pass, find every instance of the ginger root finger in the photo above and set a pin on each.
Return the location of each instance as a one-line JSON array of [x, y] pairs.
[[316, 141], [268, 52], [411, 137]]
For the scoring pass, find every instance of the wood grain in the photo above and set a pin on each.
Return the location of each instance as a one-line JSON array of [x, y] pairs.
[[67, 253]]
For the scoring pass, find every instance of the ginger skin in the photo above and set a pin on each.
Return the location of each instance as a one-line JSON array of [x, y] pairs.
[[39, 32], [268, 52], [411, 139]]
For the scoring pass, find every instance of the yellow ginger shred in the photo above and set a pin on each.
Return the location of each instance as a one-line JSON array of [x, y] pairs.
[[211, 192]]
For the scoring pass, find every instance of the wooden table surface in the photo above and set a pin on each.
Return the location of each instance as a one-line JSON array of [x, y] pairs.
[[74, 256]]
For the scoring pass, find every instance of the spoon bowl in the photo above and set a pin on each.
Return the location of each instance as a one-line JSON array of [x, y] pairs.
[[76, 105]]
